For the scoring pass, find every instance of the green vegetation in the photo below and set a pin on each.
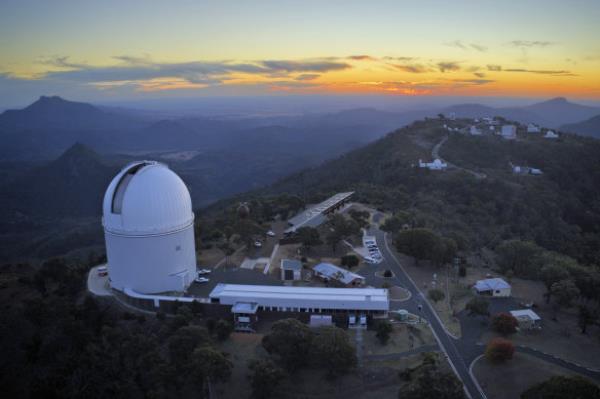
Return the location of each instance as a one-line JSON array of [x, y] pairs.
[[296, 346], [264, 378], [349, 261], [429, 381], [58, 342], [436, 295], [560, 387], [478, 306], [384, 328]]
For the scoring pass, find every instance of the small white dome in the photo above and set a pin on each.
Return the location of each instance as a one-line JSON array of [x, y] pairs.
[[146, 198]]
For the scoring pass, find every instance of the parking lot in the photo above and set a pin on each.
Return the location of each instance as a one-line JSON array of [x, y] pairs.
[[374, 254], [230, 276]]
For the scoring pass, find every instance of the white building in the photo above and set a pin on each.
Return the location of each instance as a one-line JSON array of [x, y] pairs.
[[437, 164], [550, 135], [509, 132], [327, 271], [291, 269], [303, 299], [149, 230], [527, 318], [494, 287], [532, 128], [474, 131]]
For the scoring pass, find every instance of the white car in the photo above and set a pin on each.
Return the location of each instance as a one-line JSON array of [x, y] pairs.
[[271, 233], [201, 280], [258, 244], [203, 271]]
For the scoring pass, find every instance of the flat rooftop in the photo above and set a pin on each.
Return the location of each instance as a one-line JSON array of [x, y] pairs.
[[303, 297], [313, 216]]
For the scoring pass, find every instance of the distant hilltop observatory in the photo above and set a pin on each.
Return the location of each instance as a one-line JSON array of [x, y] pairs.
[[149, 230]]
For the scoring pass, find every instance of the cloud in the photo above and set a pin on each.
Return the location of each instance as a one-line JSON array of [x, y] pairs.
[[307, 76], [475, 82], [541, 71], [530, 43], [362, 58], [448, 66], [61, 62], [479, 74], [494, 68], [411, 68], [466, 46], [303, 66], [401, 59]]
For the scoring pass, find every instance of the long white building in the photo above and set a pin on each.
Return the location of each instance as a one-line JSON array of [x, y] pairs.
[[149, 230], [302, 299]]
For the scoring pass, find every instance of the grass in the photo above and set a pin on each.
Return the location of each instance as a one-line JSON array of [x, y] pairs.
[[510, 379], [399, 341]]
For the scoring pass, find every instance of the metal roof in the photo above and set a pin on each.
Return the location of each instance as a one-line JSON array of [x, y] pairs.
[[313, 216], [303, 297], [491, 284], [337, 273], [528, 313]]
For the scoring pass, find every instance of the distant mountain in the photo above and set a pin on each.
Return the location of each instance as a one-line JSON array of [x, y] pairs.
[[71, 186], [552, 113], [589, 127], [56, 113]]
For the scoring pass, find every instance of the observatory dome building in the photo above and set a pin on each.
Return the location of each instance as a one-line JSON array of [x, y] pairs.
[[149, 230]]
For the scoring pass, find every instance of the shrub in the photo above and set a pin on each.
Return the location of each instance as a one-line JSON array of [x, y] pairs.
[[504, 323], [499, 350], [384, 329], [350, 261], [436, 295], [387, 273], [462, 271], [223, 329], [478, 306]]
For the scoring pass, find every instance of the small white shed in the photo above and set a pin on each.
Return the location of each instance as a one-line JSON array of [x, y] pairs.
[[291, 269]]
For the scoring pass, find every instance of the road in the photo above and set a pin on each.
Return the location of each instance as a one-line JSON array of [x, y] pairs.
[[435, 154], [417, 304]]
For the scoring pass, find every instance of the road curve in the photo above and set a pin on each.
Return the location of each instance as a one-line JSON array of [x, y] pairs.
[[435, 154]]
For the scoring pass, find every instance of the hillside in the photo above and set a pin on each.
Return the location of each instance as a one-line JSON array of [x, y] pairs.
[[589, 127], [558, 210]]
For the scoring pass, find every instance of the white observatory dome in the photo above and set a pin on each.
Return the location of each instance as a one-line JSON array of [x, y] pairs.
[[149, 230], [147, 198]]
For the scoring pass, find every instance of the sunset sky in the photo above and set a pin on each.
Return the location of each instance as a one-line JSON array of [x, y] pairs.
[[152, 49]]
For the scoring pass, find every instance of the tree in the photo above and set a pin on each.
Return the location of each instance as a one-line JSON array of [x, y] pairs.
[[350, 261], [332, 350], [333, 239], [223, 329], [478, 306], [428, 381], [585, 317], [264, 378], [384, 329], [291, 340], [436, 295], [504, 323], [522, 257], [416, 243], [560, 387], [309, 237], [207, 362], [183, 342], [360, 217], [550, 274], [564, 292], [499, 350]]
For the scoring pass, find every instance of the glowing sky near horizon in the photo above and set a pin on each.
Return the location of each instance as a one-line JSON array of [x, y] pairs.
[[141, 49]]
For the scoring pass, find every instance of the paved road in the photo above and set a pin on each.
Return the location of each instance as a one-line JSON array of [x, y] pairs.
[[435, 153], [418, 305]]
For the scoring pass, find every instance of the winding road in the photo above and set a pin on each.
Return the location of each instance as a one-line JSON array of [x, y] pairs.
[[435, 154], [460, 352]]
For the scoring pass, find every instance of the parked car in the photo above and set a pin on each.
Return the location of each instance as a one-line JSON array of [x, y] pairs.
[[201, 280], [271, 233], [203, 271], [103, 271], [258, 244]]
